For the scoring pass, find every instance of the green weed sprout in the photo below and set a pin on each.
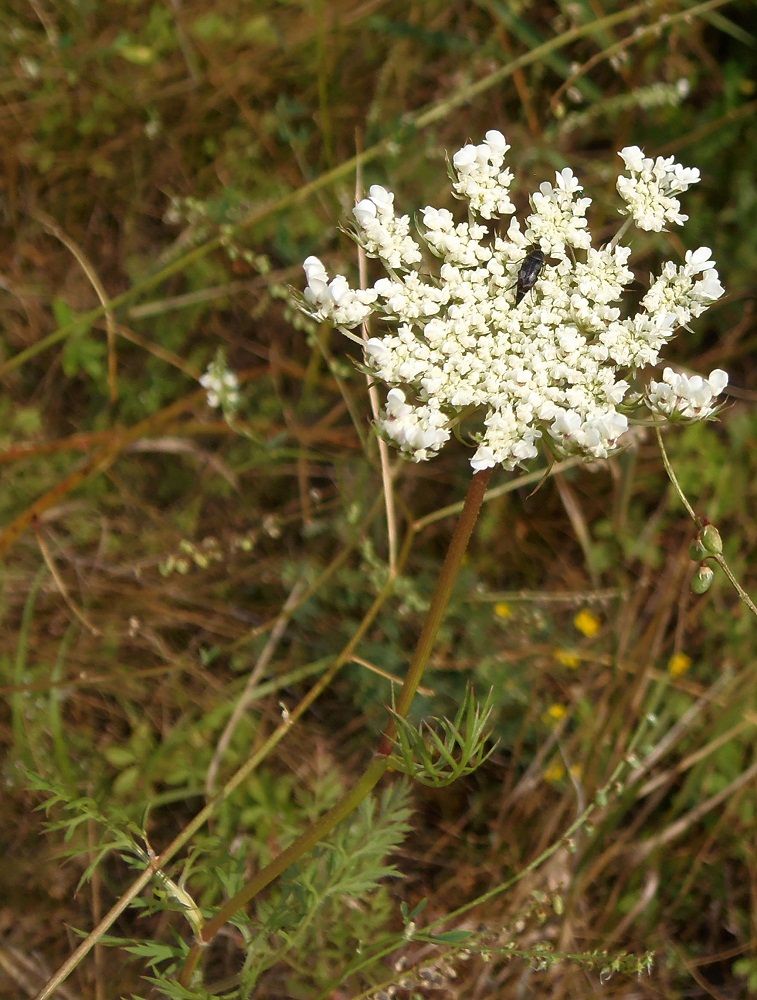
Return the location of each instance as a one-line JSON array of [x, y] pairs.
[[440, 751]]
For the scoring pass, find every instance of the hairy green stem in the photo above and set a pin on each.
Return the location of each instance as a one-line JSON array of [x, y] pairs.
[[380, 763], [439, 602]]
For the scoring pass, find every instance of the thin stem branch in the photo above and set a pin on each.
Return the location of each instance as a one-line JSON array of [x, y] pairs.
[[373, 395], [699, 522], [673, 479], [248, 695]]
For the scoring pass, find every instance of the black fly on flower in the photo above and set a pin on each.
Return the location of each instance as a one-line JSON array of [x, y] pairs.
[[528, 275]]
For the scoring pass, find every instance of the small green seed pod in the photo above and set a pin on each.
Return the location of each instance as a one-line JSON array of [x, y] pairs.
[[702, 580], [697, 551], [711, 540]]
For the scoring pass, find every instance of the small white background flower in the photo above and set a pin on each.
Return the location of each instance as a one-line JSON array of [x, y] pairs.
[[221, 385]]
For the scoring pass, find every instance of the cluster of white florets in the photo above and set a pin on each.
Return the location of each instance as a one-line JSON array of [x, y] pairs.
[[481, 179], [384, 235], [221, 385], [648, 191], [681, 396], [550, 367]]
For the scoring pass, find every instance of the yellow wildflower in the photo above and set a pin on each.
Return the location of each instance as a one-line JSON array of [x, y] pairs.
[[587, 623], [555, 713], [678, 664], [555, 772], [567, 658]]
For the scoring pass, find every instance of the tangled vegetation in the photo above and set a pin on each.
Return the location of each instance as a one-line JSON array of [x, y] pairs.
[[207, 615]]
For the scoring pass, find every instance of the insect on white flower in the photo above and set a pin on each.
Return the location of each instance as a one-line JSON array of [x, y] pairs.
[[460, 338]]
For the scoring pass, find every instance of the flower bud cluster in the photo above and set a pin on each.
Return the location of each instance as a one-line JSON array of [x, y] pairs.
[[549, 363]]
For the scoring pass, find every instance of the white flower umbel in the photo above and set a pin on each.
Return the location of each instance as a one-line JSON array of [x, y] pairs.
[[554, 367]]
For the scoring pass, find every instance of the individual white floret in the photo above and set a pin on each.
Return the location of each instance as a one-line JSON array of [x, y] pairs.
[[698, 261], [687, 396]]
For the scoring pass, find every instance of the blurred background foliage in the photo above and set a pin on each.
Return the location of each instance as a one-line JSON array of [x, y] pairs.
[[166, 167]]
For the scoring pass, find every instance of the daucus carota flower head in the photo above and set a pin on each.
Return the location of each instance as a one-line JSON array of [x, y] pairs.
[[544, 358]]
